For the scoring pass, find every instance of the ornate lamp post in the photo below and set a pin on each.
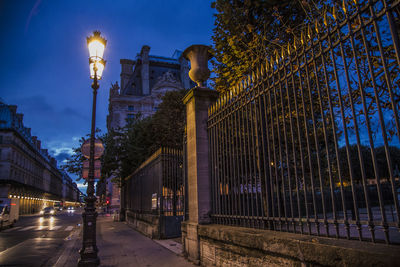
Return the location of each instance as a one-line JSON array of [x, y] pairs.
[[96, 45]]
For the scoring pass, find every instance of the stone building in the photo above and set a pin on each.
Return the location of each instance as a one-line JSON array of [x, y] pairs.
[[144, 81], [27, 171]]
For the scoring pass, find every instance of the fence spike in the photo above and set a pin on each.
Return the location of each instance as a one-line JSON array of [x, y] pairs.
[[294, 43], [282, 53], [325, 19], [316, 26], [309, 33], [272, 64], [262, 71], [266, 66], [344, 7], [276, 57], [288, 49], [249, 78], [302, 38], [334, 12], [355, 2], [253, 77]]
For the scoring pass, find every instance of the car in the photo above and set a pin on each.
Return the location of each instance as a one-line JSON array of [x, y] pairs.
[[48, 211], [71, 209]]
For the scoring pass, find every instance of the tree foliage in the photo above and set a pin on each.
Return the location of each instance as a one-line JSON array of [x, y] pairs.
[[126, 148], [247, 31]]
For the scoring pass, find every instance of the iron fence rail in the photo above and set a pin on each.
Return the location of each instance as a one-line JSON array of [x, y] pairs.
[[310, 141], [156, 187]]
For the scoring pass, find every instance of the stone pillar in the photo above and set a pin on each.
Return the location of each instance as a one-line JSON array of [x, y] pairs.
[[144, 54], [197, 102]]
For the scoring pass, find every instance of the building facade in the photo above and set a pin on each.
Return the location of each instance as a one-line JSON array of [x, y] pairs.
[[27, 171], [144, 81]]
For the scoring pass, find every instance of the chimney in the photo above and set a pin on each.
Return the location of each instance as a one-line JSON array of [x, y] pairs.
[[126, 71], [144, 54]]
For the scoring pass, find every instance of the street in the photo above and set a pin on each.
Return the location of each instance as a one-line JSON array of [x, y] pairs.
[[36, 240]]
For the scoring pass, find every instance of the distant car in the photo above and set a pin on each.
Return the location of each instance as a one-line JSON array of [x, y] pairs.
[[48, 211], [71, 209]]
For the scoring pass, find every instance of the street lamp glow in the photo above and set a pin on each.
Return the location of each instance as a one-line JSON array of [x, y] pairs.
[[96, 45]]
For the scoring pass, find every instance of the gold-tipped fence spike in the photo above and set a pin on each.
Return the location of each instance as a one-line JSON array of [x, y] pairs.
[[309, 33], [253, 77], [261, 71], [334, 12], [288, 49], [325, 19], [355, 2], [272, 64], [248, 80], [344, 7], [316, 26], [282, 53], [266, 66], [302, 38], [294, 43]]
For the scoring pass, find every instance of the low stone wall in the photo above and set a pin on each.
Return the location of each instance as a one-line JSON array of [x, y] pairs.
[[147, 224], [219, 245]]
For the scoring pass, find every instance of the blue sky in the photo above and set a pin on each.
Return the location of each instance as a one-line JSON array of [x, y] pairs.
[[44, 56]]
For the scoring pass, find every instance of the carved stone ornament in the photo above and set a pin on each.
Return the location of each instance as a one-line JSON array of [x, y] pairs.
[[198, 56]]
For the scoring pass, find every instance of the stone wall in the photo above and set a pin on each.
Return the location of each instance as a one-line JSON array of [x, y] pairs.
[[221, 245], [147, 224]]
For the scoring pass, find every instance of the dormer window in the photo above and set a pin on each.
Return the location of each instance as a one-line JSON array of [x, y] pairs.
[[131, 108]]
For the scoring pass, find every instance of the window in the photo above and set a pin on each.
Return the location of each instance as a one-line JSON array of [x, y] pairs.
[[155, 108], [131, 108], [131, 116]]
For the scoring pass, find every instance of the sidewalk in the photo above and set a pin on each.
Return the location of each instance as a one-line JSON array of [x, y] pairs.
[[120, 245]]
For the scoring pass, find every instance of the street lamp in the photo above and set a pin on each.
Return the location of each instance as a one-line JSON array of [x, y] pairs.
[[96, 45]]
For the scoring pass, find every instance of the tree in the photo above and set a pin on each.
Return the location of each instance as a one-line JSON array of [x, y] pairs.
[[247, 31], [126, 148]]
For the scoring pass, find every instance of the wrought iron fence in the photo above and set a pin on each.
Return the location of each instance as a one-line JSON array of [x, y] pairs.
[[156, 187], [309, 142]]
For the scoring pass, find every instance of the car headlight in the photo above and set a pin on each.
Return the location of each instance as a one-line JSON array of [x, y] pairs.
[[41, 212], [52, 212]]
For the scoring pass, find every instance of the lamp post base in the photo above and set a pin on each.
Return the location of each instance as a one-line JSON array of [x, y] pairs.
[[89, 249], [89, 262]]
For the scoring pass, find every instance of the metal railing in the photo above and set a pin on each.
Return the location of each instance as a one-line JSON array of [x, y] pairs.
[[309, 142], [156, 187]]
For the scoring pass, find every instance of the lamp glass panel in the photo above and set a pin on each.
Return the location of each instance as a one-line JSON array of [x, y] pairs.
[[96, 49], [100, 68]]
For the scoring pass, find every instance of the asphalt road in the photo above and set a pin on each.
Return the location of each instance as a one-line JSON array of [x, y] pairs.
[[37, 240]]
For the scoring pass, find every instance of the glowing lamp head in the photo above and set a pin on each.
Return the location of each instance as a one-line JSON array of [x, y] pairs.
[[96, 45], [99, 66]]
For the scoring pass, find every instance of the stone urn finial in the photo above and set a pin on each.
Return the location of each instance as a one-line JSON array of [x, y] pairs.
[[198, 56]]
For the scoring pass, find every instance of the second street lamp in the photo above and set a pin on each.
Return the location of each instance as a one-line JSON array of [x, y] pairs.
[[96, 45]]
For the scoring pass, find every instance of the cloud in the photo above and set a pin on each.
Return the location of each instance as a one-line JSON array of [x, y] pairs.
[[62, 157]]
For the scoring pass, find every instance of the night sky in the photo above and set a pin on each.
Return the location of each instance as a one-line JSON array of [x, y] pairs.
[[45, 70]]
